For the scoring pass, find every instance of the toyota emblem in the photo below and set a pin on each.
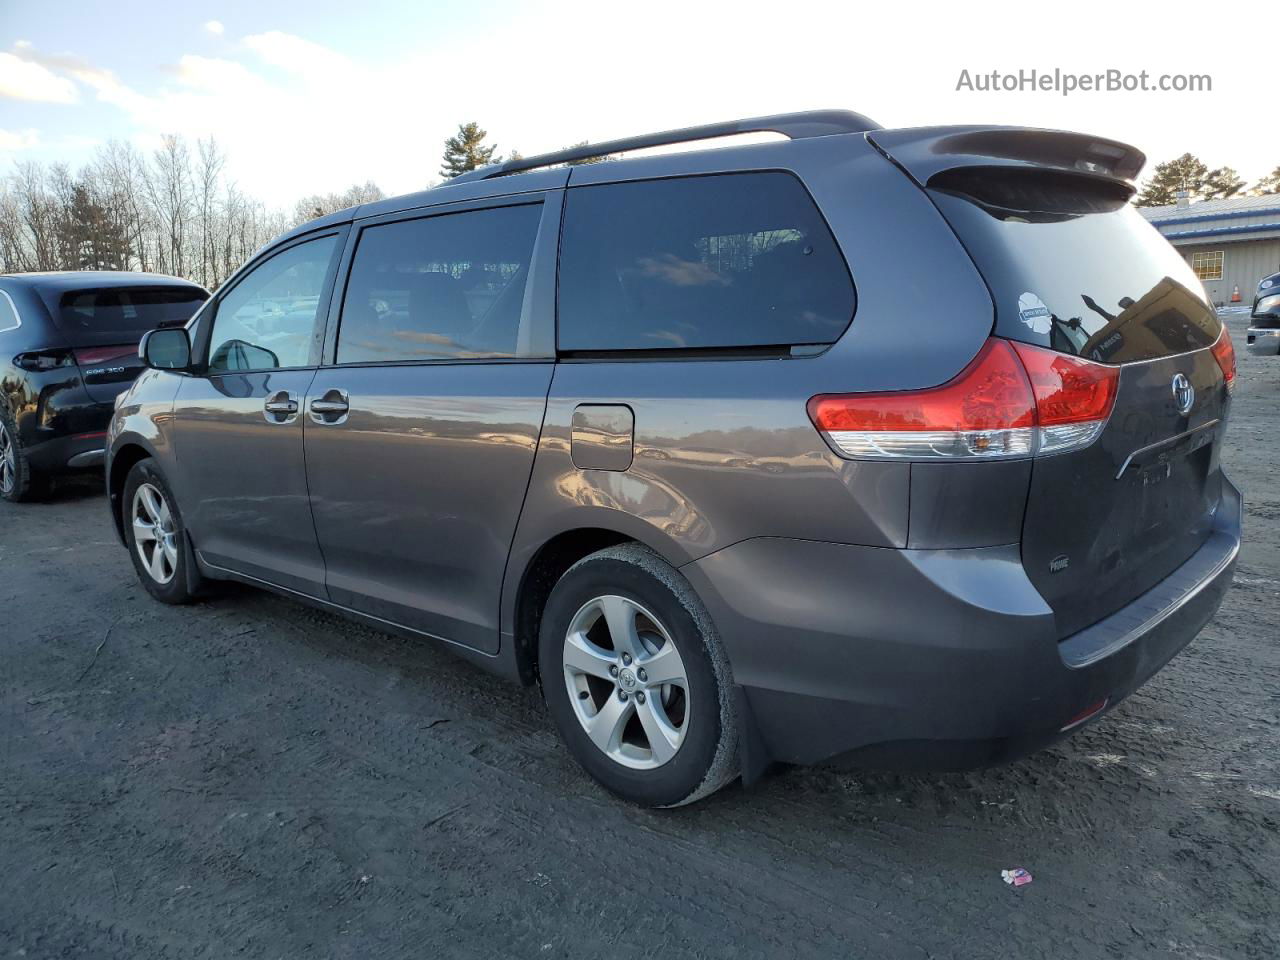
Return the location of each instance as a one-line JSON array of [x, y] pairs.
[[1184, 394]]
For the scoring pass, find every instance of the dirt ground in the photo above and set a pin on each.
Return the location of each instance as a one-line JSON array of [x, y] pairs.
[[250, 778]]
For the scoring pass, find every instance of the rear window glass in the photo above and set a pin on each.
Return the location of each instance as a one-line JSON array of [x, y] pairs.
[[119, 315], [1079, 270], [726, 261]]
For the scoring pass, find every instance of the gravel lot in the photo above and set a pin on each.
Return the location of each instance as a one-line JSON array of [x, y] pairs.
[[248, 777]]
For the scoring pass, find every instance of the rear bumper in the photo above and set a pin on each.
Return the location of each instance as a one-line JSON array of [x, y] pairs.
[[932, 659], [1263, 341], [78, 451]]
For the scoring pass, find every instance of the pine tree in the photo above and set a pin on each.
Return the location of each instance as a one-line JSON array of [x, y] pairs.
[[463, 151], [1186, 173], [1270, 183], [1222, 183]]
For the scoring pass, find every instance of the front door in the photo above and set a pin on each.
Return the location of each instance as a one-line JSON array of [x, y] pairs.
[[420, 437], [239, 427]]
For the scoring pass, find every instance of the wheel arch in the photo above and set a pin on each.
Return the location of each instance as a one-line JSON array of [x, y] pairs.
[[123, 459], [544, 568]]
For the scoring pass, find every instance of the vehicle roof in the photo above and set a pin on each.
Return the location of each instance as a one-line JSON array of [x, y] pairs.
[[59, 281], [930, 149]]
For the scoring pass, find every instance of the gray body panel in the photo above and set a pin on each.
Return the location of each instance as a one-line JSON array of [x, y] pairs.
[[416, 494], [244, 479]]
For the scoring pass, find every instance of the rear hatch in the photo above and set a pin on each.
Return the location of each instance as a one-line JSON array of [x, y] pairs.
[[1073, 267], [103, 327]]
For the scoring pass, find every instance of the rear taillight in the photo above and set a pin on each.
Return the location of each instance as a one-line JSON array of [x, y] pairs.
[[1225, 354], [1074, 397], [40, 360], [1013, 400], [92, 356]]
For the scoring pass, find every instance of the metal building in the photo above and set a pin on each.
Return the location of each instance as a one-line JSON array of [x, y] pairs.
[[1230, 244]]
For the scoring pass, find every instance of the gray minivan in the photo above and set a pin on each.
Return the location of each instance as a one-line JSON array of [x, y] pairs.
[[900, 446]]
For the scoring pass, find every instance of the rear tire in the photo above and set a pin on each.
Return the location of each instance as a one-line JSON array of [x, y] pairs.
[[636, 680], [156, 536], [18, 482]]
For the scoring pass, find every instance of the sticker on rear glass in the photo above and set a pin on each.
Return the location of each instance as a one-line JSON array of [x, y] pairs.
[[1034, 313]]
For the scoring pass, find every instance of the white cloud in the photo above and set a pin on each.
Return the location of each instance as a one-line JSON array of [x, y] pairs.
[[18, 140], [215, 27], [24, 80], [296, 55]]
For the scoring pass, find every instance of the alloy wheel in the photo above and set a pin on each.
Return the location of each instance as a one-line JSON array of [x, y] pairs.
[[8, 461], [626, 682], [154, 535]]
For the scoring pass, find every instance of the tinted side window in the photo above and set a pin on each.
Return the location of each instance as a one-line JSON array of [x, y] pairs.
[[735, 260], [268, 319], [8, 313], [442, 287]]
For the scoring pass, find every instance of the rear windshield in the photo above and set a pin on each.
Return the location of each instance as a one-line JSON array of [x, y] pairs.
[[120, 315], [1072, 266]]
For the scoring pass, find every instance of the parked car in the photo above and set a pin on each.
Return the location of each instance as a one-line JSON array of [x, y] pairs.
[[981, 520], [1263, 335], [68, 346]]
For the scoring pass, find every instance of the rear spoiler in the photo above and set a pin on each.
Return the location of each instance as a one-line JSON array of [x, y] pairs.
[[925, 152]]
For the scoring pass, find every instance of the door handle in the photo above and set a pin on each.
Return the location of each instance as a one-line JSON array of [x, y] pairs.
[[330, 408], [280, 407]]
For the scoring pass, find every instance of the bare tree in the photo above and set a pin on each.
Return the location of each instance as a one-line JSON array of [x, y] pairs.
[[208, 172], [319, 205], [171, 212]]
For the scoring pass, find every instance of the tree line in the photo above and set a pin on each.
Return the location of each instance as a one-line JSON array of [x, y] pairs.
[[171, 211], [1189, 174], [175, 211]]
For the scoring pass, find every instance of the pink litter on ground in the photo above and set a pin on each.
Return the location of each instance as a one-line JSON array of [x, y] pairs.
[[1017, 876]]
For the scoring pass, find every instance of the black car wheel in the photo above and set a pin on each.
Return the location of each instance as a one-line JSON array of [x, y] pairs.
[[636, 680], [17, 480]]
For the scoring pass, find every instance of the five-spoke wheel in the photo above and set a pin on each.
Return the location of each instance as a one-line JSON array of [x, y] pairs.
[[636, 680], [626, 682], [157, 541], [154, 535]]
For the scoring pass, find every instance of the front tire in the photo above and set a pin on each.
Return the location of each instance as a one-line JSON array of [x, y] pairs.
[[18, 482], [636, 680], [156, 537]]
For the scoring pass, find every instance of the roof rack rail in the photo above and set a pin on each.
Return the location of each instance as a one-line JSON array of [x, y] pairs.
[[797, 126]]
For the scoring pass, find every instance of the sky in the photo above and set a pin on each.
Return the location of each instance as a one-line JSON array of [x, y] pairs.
[[310, 97]]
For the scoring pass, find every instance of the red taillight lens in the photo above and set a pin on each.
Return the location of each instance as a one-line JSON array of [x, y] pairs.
[[1074, 397], [986, 411], [90, 356], [1013, 400], [1225, 353]]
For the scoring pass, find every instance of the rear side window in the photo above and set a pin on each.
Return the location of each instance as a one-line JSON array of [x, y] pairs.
[[118, 315], [439, 288], [718, 262]]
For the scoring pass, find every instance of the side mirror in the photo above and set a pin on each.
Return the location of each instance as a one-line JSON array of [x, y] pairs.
[[166, 349]]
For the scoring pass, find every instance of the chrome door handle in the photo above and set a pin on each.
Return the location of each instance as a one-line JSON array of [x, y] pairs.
[[280, 407], [330, 408]]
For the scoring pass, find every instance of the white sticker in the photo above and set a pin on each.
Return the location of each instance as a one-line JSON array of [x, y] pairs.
[[1034, 313]]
